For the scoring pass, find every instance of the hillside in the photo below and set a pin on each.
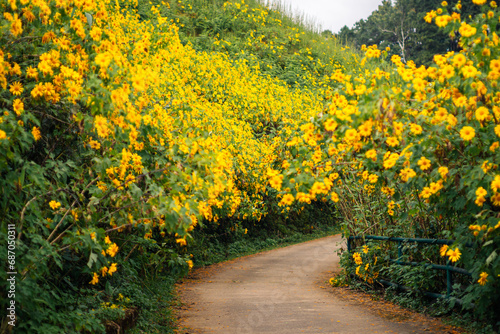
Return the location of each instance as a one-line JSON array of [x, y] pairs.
[[281, 45], [121, 136], [139, 139]]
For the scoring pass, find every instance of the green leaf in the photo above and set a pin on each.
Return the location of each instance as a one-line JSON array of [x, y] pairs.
[[92, 260], [492, 257], [488, 243], [89, 18]]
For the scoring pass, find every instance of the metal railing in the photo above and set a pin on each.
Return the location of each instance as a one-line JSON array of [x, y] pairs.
[[401, 241]]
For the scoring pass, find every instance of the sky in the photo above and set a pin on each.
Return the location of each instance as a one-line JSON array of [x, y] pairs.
[[334, 14]]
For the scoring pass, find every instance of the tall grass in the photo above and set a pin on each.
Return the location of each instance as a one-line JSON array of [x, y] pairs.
[[296, 16]]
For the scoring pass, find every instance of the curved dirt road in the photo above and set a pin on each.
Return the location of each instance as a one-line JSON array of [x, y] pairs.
[[286, 291]]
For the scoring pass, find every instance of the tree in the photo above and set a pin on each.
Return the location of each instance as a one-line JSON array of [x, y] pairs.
[[327, 33], [400, 25], [397, 23]]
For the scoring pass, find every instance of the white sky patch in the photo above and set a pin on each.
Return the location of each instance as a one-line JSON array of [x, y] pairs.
[[334, 14]]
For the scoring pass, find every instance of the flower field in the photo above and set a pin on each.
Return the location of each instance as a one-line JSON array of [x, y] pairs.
[[118, 138]]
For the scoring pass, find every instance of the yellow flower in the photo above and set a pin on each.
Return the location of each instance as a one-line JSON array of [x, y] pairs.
[[101, 126], [459, 60], [392, 141], [479, 2], [443, 171], [351, 135], [373, 178], [94, 144], [495, 184], [3, 135], [106, 240], [480, 196], [424, 163], [365, 129], [16, 27], [287, 199], [32, 73], [469, 71], [419, 84], [276, 182], [36, 133], [482, 113], [95, 279], [406, 174], [481, 192], [181, 241], [54, 205], [495, 199], [103, 59], [365, 249], [16, 88], [391, 160], [480, 201], [112, 269], [443, 250], [371, 154], [415, 129], [429, 16], [357, 258], [466, 30], [467, 133], [18, 106], [482, 278], [442, 21], [112, 250], [330, 125], [190, 264], [454, 255], [104, 271]]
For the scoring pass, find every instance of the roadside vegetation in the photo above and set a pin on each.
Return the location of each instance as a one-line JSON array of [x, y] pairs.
[[139, 139]]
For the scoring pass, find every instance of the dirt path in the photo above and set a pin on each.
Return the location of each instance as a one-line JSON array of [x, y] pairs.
[[286, 291]]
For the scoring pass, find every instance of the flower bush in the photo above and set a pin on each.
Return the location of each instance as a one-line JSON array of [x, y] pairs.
[[413, 151], [117, 140], [117, 136]]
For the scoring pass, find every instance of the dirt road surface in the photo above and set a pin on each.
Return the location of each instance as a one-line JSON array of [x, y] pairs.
[[286, 291]]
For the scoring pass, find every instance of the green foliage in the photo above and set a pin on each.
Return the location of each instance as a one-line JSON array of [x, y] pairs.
[[98, 163], [400, 26], [269, 38], [217, 243]]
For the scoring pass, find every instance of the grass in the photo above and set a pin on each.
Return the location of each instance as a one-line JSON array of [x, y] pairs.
[[438, 308], [156, 314]]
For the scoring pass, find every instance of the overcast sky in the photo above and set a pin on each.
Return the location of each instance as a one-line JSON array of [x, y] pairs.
[[334, 14]]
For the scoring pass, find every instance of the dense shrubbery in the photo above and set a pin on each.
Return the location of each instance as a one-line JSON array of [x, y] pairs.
[[118, 140], [414, 151]]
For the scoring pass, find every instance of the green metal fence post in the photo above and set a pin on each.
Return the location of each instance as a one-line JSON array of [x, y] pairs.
[[400, 253], [448, 279], [450, 269]]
